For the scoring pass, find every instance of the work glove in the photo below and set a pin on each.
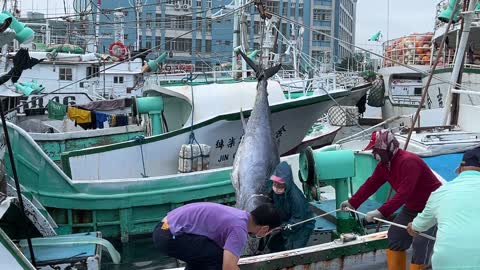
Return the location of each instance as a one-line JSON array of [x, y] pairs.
[[373, 214], [344, 205]]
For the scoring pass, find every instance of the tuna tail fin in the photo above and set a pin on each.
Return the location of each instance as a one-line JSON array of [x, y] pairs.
[[272, 71], [258, 71], [250, 62]]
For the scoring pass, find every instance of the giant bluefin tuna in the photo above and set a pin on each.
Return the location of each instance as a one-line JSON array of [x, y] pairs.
[[257, 155]]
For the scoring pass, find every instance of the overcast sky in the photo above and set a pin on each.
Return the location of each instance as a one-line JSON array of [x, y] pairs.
[[406, 16], [55, 7]]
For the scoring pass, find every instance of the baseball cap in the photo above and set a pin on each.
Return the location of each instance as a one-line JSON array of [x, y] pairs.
[[471, 158], [371, 144]]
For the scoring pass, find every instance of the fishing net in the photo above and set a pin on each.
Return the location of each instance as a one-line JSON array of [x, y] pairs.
[[376, 95], [343, 115]]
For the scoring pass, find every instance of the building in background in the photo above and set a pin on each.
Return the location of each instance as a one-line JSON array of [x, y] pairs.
[[56, 31], [184, 29]]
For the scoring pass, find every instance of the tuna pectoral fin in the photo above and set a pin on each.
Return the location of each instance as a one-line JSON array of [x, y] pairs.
[[272, 71], [244, 122]]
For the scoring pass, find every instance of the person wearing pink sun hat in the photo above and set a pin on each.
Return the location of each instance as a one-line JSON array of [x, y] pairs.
[[293, 208]]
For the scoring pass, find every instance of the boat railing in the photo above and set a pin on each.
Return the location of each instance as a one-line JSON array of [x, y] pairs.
[[469, 66], [287, 74], [366, 132], [198, 76], [316, 85], [348, 79], [296, 86]]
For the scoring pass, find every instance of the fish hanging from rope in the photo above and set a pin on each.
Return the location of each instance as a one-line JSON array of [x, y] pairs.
[[257, 155]]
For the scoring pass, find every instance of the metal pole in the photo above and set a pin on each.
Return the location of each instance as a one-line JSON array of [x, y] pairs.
[[104, 79], [236, 42], [388, 19], [459, 56], [138, 4], [48, 33], [427, 85], [97, 26], [15, 178]]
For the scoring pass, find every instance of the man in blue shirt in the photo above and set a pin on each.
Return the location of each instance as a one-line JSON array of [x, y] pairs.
[[454, 208]]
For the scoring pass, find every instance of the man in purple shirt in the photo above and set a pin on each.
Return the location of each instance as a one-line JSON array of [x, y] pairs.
[[212, 236]]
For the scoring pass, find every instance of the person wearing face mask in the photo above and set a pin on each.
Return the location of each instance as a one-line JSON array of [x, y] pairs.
[[293, 207], [413, 182], [211, 236], [455, 209]]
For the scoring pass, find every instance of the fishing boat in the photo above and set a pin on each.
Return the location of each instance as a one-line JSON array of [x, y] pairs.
[[128, 207], [188, 110], [403, 85], [440, 135], [132, 206]]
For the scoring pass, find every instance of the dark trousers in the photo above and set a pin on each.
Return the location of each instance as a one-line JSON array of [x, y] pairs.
[[198, 252], [399, 239]]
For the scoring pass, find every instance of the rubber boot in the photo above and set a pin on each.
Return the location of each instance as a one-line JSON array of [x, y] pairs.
[[396, 260], [414, 266]]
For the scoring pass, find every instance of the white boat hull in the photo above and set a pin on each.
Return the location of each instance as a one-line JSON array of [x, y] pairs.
[[158, 155]]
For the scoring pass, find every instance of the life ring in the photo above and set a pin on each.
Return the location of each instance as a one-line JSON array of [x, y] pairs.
[[168, 67], [117, 49]]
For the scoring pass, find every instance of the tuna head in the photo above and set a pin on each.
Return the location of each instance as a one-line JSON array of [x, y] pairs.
[[257, 155]]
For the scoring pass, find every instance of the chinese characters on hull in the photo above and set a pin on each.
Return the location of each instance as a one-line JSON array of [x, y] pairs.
[[225, 146]]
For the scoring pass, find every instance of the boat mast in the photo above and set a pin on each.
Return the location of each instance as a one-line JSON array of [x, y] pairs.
[[236, 33], [243, 36], [97, 26], [294, 50], [459, 57]]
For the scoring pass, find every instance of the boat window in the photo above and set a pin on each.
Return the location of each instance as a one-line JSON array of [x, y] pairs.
[[65, 74], [92, 71], [118, 79], [418, 91]]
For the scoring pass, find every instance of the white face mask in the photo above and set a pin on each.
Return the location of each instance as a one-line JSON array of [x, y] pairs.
[[278, 191]]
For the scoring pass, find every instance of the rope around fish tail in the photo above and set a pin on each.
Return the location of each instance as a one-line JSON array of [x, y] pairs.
[[290, 226]]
